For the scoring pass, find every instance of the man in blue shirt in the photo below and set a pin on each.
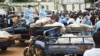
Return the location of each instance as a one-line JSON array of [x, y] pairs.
[[28, 14], [97, 25], [63, 20], [87, 21], [27, 11], [42, 12]]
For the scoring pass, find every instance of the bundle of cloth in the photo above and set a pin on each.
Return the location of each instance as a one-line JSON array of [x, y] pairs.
[[57, 24], [41, 22], [80, 26], [4, 36]]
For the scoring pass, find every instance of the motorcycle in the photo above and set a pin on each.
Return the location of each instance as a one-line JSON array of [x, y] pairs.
[[35, 48]]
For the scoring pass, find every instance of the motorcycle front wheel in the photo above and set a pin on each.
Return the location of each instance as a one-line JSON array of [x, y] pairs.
[[28, 52]]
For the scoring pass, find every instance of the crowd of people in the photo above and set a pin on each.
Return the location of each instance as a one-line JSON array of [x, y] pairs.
[[91, 18], [65, 17]]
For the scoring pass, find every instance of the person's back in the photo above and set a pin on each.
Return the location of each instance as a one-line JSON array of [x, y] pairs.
[[71, 20], [87, 21], [63, 20], [96, 50], [92, 52], [93, 18], [97, 25]]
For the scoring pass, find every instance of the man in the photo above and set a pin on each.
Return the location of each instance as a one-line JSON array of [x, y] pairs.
[[9, 21], [42, 12], [28, 11], [87, 21], [15, 20], [55, 16], [63, 20], [97, 25], [71, 20], [96, 50], [28, 14]]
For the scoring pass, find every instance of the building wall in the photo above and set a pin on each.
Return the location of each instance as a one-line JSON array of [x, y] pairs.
[[71, 1], [49, 6]]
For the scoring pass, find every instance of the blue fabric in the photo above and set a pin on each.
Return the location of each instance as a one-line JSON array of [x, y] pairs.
[[27, 12], [87, 21], [29, 21], [39, 43], [28, 15], [62, 20], [42, 13], [97, 25]]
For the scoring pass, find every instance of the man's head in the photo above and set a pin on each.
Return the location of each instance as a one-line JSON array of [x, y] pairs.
[[42, 6], [15, 18], [96, 38], [99, 18], [29, 6]]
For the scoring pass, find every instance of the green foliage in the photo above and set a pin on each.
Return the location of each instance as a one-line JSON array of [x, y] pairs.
[[89, 1], [2, 0], [20, 0]]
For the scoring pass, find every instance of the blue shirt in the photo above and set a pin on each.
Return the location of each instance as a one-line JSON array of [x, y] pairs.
[[27, 12], [29, 20], [87, 21], [62, 20], [42, 13], [28, 15], [97, 25]]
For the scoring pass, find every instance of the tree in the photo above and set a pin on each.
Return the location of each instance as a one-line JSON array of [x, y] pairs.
[[19, 0], [95, 0], [89, 1], [2, 0]]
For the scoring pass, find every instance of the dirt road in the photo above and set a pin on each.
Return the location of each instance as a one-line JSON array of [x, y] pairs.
[[15, 50]]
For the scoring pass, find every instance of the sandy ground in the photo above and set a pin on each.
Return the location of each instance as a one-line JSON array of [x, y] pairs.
[[15, 50]]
